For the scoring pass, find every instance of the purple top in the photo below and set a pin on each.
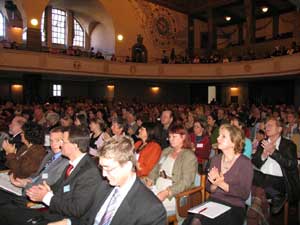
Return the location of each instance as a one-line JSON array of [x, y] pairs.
[[238, 177]]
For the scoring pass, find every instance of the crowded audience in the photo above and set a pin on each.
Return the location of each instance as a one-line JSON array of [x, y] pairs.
[[172, 143]]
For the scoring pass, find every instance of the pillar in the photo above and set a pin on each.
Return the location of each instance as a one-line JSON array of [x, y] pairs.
[[240, 33], [212, 40], [191, 34], [296, 32], [70, 28], [275, 25], [250, 22]]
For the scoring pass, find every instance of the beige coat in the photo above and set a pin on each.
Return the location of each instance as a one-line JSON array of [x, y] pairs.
[[184, 170]]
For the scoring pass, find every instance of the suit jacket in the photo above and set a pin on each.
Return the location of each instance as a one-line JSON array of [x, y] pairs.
[[74, 195], [139, 207], [53, 171], [286, 156], [17, 141]]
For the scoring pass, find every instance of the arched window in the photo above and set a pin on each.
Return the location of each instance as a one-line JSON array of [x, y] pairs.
[[43, 31], [58, 26], [2, 25], [78, 39]]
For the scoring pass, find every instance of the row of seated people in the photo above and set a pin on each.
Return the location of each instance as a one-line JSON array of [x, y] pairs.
[[173, 175], [219, 57]]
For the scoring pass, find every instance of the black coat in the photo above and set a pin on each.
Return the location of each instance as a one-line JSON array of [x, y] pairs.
[[286, 156]]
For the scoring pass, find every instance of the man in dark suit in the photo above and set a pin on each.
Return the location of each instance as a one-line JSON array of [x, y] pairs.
[[71, 196], [276, 161], [126, 200]]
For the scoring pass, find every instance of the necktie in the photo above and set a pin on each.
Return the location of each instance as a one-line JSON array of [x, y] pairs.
[[110, 210], [68, 171]]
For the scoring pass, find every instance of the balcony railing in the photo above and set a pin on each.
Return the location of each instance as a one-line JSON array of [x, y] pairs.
[[27, 61]]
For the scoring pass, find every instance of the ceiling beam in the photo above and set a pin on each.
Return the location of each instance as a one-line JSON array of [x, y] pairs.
[[170, 5], [210, 4]]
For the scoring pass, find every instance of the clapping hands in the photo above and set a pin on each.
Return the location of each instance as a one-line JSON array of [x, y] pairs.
[[8, 148], [215, 177], [38, 192], [269, 148]]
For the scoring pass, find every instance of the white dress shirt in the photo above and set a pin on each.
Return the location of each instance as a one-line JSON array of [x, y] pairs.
[[271, 166]]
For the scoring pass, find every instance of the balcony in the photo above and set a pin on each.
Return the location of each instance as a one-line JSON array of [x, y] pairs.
[[27, 61]]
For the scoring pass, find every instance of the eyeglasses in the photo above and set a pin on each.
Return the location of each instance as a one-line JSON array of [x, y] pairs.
[[107, 170]]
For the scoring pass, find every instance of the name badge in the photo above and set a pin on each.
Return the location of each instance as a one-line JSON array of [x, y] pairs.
[[67, 188], [200, 145], [45, 176]]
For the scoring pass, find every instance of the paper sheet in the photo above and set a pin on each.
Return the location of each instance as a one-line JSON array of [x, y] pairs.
[[8, 186], [210, 209]]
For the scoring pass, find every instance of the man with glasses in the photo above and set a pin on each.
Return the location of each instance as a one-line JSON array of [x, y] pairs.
[[125, 200], [71, 196]]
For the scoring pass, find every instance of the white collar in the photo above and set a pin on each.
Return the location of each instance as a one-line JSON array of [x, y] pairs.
[[75, 162], [277, 142], [127, 186]]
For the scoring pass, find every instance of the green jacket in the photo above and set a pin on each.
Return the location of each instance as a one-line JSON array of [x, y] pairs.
[[184, 170]]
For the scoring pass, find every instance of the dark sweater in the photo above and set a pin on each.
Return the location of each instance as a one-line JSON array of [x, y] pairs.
[[238, 177]]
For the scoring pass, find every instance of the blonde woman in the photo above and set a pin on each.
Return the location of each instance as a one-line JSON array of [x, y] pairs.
[[229, 179]]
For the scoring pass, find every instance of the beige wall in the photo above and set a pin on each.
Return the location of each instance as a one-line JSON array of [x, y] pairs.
[[131, 18], [128, 18]]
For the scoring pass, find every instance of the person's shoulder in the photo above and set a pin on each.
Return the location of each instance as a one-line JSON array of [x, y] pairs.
[[286, 141], [167, 150], [188, 152], [154, 144], [88, 163], [216, 158], [39, 148], [244, 159], [145, 195]]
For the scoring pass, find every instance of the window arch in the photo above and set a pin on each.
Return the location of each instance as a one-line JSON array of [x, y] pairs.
[[78, 39], [2, 25], [58, 26]]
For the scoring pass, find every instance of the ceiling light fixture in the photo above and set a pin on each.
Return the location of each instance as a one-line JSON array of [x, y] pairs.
[[120, 37], [34, 22], [227, 18], [264, 9]]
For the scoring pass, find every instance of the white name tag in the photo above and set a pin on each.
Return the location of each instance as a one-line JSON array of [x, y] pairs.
[[199, 145], [67, 188], [45, 176]]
